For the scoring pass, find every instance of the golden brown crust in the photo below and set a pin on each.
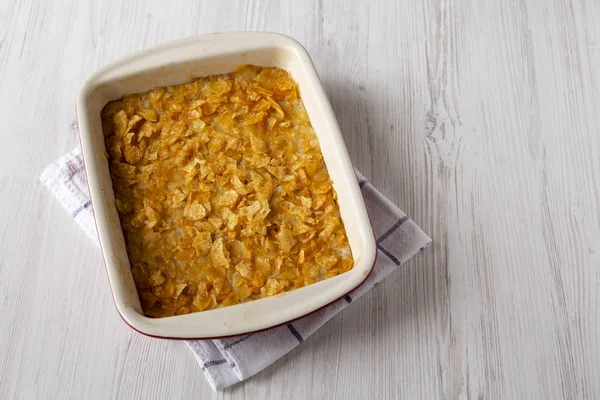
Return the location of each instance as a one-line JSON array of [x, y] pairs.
[[222, 192]]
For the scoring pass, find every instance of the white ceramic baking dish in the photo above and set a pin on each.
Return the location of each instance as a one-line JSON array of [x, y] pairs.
[[174, 63]]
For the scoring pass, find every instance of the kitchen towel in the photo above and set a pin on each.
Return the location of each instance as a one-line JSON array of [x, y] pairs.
[[226, 362]]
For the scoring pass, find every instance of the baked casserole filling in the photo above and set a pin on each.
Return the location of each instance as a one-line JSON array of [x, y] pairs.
[[222, 192]]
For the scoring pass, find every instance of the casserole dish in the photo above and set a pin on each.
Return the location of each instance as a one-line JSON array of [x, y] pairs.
[[173, 63]]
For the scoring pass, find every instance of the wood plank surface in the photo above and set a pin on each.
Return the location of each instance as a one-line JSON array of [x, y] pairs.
[[481, 120]]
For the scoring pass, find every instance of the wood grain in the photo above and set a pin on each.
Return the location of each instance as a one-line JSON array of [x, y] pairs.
[[479, 119]]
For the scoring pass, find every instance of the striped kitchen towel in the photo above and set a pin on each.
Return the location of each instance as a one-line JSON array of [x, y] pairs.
[[231, 360]]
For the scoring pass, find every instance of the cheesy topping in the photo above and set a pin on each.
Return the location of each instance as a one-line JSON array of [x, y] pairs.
[[222, 192]]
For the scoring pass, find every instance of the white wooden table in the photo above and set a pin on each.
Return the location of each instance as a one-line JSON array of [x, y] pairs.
[[479, 119]]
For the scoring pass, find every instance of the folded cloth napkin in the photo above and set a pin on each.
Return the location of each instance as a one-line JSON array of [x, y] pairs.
[[231, 360]]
